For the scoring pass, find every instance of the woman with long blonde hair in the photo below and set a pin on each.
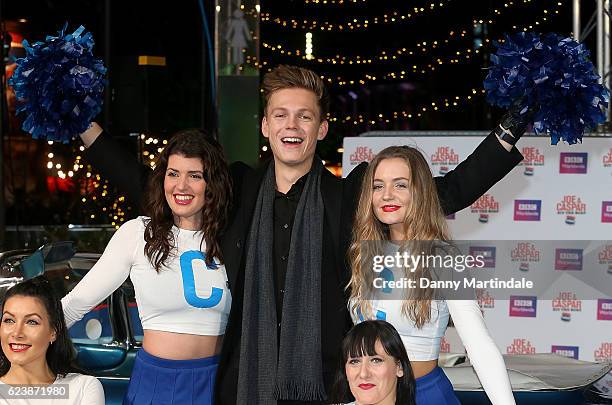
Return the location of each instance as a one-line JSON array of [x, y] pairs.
[[399, 211]]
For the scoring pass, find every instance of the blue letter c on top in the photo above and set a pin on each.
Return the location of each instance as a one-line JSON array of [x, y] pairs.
[[189, 289]]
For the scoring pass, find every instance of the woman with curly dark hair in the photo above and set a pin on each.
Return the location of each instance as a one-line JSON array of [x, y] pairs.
[[36, 349], [173, 258]]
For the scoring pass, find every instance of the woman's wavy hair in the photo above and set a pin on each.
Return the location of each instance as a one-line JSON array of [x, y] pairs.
[[158, 236], [424, 221], [60, 354], [361, 341]]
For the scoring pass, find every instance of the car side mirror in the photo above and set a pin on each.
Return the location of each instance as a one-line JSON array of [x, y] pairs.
[[34, 265]]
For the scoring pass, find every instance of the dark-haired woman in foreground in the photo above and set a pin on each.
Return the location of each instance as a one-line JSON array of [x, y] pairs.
[[173, 259], [36, 349], [375, 366]]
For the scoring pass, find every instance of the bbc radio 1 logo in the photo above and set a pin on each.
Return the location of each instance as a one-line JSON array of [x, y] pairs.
[[565, 351], [606, 211], [525, 253], [570, 206], [527, 210], [568, 259], [605, 258], [566, 303], [444, 157], [520, 346], [573, 162], [484, 206], [607, 159], [604, 309], [523, 306], [361, 154], [603, 353], [531, 158], [487, 253], [485, 300]]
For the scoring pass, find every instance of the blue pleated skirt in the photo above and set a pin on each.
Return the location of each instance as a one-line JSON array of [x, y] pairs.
[[434, 388], [157, 381]]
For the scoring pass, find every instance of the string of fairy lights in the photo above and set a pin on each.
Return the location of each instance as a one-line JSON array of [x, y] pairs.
[[151, 147], [354, 23], [334, 2], [95, 190], [97, 201], [390, 55], [442, 104], [421, 48], [363, 23]]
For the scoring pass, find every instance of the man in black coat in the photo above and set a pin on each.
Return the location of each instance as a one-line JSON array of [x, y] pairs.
[[296, 104]]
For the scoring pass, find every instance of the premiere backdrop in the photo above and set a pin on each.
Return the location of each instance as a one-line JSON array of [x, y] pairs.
[[557, 193]]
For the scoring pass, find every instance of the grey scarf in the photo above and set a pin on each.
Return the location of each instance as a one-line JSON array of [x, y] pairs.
[[292, 369]]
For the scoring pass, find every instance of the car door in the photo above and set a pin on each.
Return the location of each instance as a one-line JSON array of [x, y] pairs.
[[107, 337]]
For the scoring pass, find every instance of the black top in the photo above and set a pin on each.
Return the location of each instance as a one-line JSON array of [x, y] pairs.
[[285, 206]]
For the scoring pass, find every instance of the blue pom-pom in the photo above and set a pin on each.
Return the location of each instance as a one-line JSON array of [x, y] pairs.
[[552, 76], [59, 85]]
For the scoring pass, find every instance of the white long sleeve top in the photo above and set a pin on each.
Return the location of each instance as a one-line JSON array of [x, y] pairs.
[[186, 296]]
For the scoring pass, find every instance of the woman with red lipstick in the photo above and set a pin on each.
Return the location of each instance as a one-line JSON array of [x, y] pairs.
[[173, 258], [375, 367], [399, 210], [36, 349]]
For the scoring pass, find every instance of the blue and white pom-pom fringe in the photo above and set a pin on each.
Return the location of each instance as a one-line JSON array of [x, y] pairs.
[[59, 85], [552, 76]]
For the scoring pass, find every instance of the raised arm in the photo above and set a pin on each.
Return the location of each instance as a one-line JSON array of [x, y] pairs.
[[482, 350], [495, 157], [111, 270], [115, 164]]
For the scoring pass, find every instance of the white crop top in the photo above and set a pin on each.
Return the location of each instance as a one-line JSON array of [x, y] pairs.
[[424, 344], [421, 344], [186, 296]]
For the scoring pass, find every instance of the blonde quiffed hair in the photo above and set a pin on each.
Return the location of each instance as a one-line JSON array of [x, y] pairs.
[[289, 77]]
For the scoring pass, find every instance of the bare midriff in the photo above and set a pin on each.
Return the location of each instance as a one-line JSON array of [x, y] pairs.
[[180, 346], [420, 368]]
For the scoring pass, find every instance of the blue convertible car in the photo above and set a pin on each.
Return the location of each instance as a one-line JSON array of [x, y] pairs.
[[109, 336]]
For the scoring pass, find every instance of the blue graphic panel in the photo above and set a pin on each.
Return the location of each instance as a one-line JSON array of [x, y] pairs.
[[189, 288], [381, 316], [78, 332], [387, 275]]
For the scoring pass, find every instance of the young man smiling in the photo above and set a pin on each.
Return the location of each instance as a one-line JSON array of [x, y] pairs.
[[289, 231]]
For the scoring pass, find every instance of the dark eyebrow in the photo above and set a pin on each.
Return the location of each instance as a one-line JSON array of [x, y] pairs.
[[301, 110], [33, 313], [190, 171], [395, 179]]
